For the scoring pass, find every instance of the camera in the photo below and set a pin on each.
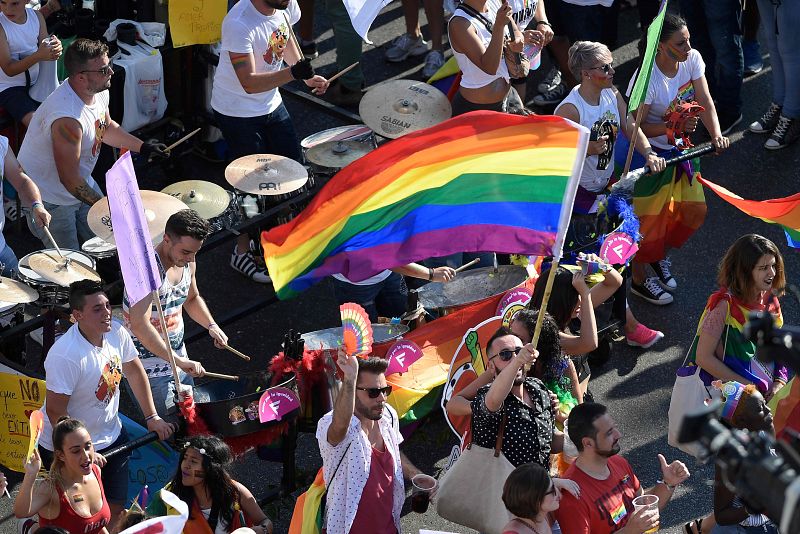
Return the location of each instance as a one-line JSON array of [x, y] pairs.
[[763, 472]]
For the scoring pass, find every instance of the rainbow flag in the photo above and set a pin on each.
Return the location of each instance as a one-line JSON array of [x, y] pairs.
[[782, 211], [483, 181]]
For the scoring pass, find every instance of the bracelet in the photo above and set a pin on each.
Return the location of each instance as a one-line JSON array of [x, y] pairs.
[[430, 274], [543, 23], [671, 488], [211, 326], [653, 152], [151, 417], [35, 204]]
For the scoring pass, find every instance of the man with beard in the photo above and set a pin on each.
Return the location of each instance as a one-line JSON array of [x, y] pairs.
[[607, 481], [184, 234], [529, 434], [255, 49], [358, 442], [63, 143]]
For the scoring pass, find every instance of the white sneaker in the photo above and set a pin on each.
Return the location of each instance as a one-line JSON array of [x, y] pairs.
[[404, 46], [26, 525], [551, 81], [433, 62], [245, 264]]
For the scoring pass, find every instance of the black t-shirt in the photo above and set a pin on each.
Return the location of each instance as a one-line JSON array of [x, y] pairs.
[[529, 430]]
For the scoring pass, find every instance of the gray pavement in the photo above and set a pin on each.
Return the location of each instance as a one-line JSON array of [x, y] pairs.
[[635, 384]]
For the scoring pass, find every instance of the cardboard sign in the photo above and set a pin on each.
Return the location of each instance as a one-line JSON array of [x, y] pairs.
[[196, 21], [152, 465], [401, 355], [276, 403], [618, 248], [20, 397]]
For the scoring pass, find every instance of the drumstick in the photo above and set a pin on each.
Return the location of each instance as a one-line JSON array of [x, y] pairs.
[[5, 491], [50, 236], [181, 140], [341, 72], [468, 265], [220, 375], [236, 352]]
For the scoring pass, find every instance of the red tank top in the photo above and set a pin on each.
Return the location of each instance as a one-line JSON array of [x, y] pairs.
[[377, 500], [69, 520]]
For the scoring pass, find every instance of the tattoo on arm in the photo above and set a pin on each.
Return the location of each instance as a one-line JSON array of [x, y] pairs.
[[68, 135], [239, 62], [86, 194]]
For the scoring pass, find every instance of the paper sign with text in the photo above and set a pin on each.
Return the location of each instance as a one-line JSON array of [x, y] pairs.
[[401, 355], [276, 403], [618, 248], [20, 396], [196, 21]]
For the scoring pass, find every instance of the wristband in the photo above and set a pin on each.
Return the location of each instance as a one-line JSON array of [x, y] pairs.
[[35, 204], [210, 326], [653, 152], [430, 274], [543, 23], [671, 488], [151, 417]]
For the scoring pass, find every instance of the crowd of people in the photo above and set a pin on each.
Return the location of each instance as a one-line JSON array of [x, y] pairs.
[[532, 404]]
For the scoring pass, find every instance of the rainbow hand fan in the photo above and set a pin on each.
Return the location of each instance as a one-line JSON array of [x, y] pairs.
[[356, 329]]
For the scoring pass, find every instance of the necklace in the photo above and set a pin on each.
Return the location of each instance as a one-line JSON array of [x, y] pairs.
[[530, 523]]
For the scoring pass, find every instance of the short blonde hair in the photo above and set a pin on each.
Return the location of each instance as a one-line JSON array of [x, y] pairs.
[[584, 54]]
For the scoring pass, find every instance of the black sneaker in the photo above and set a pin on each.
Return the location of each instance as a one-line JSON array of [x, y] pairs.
[[728, 122], [309, 49], [554, 96], [652, 292], [665, 278], [785, 133], [768, 121]]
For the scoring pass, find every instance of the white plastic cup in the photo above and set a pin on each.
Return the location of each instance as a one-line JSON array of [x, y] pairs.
[[648, 502]]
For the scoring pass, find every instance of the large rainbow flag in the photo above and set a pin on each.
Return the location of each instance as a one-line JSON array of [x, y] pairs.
[[782, 211], [478, 182]]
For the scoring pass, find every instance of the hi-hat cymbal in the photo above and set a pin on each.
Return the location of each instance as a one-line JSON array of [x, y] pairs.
[[62, 271], [207, 199], [266, 174], [158, 207], [337, 154], [16, 292], [396, 108]]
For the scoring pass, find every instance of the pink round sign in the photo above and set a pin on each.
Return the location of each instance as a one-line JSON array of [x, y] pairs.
[[401, 355], [618, 248]]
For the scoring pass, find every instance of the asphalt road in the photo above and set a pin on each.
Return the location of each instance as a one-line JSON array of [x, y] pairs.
[[635, 384]]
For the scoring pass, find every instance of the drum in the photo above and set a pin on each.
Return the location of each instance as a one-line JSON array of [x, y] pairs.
[[50, 294], [357, 132], [105, 254], [229, 218], [470, 286], [11, 314]]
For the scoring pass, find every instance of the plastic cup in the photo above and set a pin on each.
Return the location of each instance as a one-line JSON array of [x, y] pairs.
[[421, 494], [648, 502]]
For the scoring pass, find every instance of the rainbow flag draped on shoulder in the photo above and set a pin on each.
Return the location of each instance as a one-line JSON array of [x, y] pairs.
[[483, 181]]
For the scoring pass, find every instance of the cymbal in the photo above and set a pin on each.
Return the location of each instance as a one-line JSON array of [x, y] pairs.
[[158, 207], [337, 154], [16, 292], [207, 199], [396, 108], [266, 174], [62, 271]]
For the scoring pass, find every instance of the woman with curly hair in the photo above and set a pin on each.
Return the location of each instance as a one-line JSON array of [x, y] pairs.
[[217, 503]]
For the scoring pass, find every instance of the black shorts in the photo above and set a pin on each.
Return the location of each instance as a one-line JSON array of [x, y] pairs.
[[17, 102]]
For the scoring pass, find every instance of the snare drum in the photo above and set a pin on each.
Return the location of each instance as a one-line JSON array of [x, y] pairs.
[[50, 294], [357, 132], [106, 255], [229, 218]]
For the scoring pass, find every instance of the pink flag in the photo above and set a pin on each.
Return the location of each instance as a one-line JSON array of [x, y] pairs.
[[134, 247]]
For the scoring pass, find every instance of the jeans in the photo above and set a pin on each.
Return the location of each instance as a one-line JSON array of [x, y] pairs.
[[738, 529], [272, 133], [68, 226], [716, 32], [8, 262], [386, 298], [348, 44], [783, 40], [163, 391]]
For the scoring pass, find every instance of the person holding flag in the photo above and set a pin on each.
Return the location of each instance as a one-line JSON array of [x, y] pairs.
[[670, 204]]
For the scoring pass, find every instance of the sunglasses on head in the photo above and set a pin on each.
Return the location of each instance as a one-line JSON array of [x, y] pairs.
[[506, 354], [605, 68], [374, 392]]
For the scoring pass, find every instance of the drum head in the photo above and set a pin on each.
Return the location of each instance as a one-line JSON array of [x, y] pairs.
[[331, 338], [471, 286]]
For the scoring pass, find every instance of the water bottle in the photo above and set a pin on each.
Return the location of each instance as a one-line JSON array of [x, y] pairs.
[[534, 54]]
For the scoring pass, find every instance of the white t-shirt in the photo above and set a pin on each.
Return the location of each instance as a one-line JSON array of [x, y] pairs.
[[36, 153], [23, 41], [3, 150], [246, 31], [91, 376], [664, 94], [522, 11], [380, 277]]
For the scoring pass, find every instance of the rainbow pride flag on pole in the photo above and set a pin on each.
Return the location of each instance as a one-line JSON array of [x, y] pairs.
[[483, 181]]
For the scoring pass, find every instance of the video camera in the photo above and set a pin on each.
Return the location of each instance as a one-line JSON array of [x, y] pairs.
[[762, 472]]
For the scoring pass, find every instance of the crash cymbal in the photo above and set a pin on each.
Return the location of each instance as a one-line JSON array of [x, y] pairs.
[[62, 271], [266, 174], [396, 108], [158, 207], [337, 154], [207, 199], [16, 292]]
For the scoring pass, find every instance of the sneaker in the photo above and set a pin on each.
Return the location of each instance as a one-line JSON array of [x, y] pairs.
[[551, 81], [309, 49], [785, 133], [652, 292], [342, 96], [245, 264], [433, 62], [404, 46], [728, 122], [551, 97], [664, 275], [26, 525], [768, 121], [643, 337], [753, 64], [10, 208]]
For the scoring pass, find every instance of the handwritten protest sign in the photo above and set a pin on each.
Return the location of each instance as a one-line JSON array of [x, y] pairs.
[[196, 21], [20, 396]]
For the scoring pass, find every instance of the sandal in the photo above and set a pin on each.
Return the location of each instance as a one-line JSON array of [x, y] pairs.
[[694, 527]]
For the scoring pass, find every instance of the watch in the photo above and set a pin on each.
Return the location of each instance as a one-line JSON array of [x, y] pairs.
[[671, 488], [543, 23]]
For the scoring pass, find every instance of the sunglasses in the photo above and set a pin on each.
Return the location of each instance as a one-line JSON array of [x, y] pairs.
[[374, 392], [506, 354], [552, 490], [105, 70], [607, 68]]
